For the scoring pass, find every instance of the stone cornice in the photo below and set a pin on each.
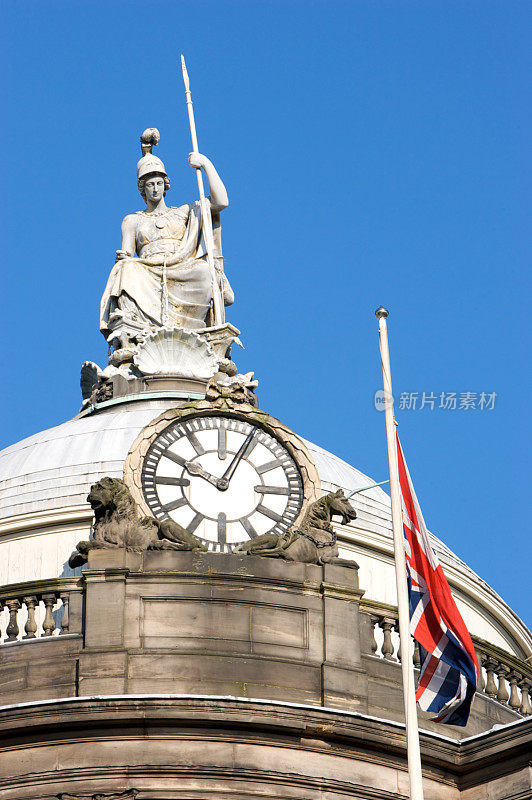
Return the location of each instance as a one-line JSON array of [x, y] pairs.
[[46, 521], [38, 587], [458, 763]]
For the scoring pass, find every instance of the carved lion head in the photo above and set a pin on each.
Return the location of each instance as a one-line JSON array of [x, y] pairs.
[[110, 496]]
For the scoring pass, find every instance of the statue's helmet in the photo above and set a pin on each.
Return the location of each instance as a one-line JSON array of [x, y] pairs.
[[149, 163]]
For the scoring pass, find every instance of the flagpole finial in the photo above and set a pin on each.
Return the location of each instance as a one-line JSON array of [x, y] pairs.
[[381, 312]]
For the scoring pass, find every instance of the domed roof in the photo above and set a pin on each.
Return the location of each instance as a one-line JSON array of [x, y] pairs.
[[55, 468]]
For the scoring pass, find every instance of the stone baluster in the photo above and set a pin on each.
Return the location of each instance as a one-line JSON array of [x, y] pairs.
[[525, 708], [12, 628], [514, 701], [373, 622], [49, 623], [502, 692], [31, 624], [387, 624], [481, 684], [417, 656], [396, 629], [491, 684], [65, 622]]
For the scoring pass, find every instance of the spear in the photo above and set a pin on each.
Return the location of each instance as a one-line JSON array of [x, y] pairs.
[[206, 219]]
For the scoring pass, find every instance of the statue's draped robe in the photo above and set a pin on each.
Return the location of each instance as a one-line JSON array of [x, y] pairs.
[[134, 299]]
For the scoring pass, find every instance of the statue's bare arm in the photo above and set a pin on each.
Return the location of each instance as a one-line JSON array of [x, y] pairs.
[[219, 198], [128, 238]]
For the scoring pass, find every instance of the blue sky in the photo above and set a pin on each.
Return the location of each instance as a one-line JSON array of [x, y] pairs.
[[374, 152]]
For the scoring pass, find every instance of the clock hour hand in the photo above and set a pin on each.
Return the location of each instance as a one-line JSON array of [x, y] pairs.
[[223, 482], [196, 469]]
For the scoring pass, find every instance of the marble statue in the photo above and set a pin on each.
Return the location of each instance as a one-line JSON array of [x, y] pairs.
[[162, 311], [161, 277]]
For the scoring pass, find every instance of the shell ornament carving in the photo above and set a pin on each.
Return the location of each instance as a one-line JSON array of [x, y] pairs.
[[175, 351]]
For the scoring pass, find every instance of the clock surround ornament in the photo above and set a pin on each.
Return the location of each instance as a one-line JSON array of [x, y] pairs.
[[207, 468]]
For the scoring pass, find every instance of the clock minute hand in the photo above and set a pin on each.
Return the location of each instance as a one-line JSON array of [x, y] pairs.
[[223, 482]]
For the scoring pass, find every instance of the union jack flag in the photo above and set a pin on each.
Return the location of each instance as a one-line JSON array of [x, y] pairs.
[[449, 666]]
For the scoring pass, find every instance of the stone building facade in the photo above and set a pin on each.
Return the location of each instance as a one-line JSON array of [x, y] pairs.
[[214, 675]]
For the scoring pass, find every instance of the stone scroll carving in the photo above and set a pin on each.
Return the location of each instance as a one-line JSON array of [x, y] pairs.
[[117, 523], [313, 542]]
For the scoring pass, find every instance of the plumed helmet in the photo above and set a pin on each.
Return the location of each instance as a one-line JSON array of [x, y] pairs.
[[149, 163]]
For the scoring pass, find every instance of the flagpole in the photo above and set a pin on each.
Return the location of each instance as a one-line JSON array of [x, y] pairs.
[[407, 664]]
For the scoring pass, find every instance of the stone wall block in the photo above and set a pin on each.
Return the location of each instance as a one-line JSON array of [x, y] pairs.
[[346, 577], [213, 564], [75, 611], [105, 605], [341, 617], [342, 632], [344, 688], [102, 672], [114, 558]]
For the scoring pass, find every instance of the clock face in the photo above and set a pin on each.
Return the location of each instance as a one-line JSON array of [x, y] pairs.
[[223, 479]]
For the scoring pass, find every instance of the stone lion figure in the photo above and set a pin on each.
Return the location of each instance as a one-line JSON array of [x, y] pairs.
[[117, 523], [314, 542]]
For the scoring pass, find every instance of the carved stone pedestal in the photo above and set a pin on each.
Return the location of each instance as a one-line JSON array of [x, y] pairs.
[[208, 623], [166, 359]]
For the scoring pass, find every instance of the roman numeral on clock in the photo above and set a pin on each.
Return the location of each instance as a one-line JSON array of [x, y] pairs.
[[222, 444], [172, 481], [248, 527], [268, 513], [182, 501], [174, 457], [222, 528], [196, 444], [268, 466], [195, 522]]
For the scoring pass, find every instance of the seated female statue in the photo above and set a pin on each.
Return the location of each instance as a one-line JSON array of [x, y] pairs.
[[161, 275]]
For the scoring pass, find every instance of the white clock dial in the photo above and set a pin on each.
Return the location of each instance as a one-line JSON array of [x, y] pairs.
[[223, 479]]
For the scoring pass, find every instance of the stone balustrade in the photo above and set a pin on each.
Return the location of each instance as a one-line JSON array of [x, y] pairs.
[[502, 677], [206, 623], [39, 609]]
